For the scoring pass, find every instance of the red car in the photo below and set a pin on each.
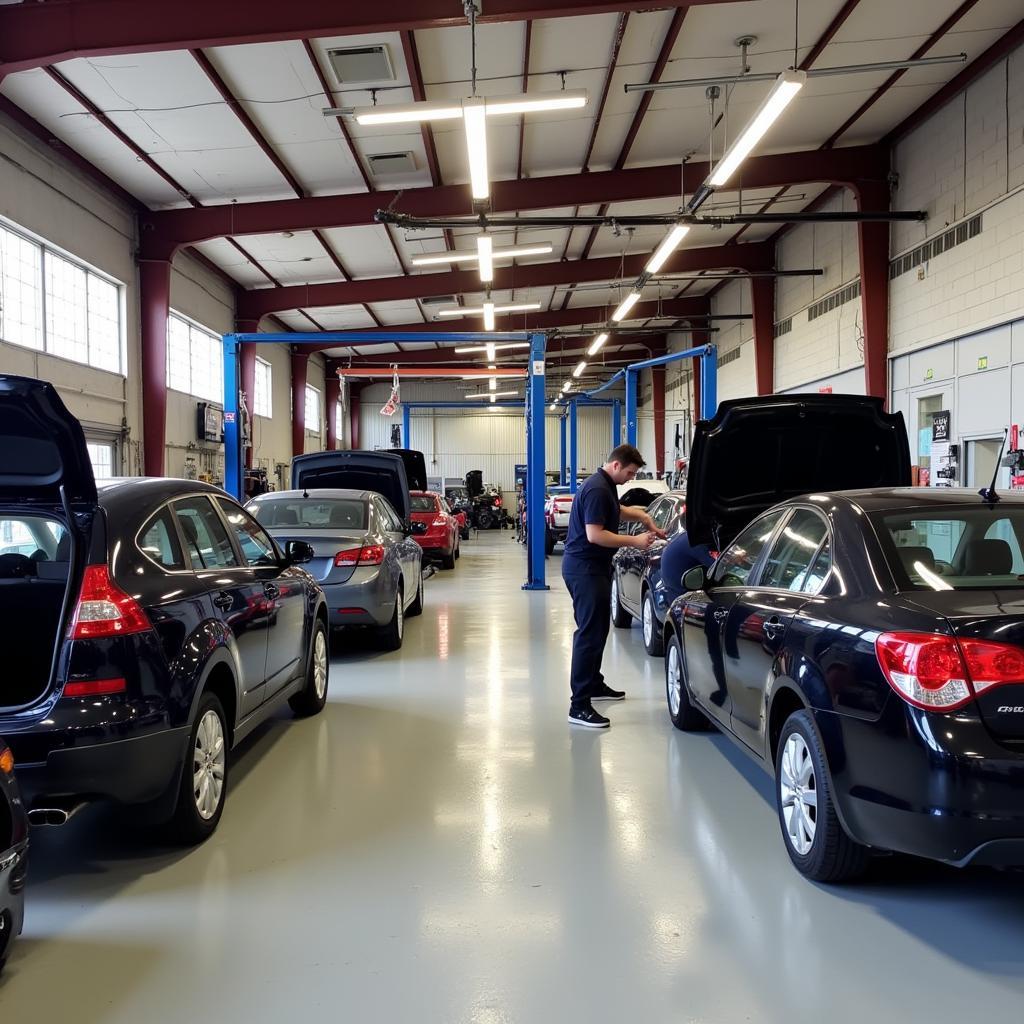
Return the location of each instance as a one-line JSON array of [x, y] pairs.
[[434, 528]]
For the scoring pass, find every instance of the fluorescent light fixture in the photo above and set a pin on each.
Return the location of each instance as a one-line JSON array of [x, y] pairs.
[[468, 256], [490, 350], [580, 367], [517, 307], [566, 386], [553, 406], [489, 322], [409, 113], [668, 246], [468, 350], [494, 398], [571, 99], [786, 86], [475, 116], [626, 305], [493, 383], [485, 254], [596, 344]]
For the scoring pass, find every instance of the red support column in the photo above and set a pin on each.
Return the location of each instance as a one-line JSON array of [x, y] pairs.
[[247, 357], [333, 395], [155, 299], [763, 294], [300, 360], [353, 414], [658, 405], [873, 242]]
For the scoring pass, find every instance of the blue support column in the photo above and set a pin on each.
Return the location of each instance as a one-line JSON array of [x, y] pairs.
[[562, 425], [574, 448], [406, 422], [709, 382], [616, 423], [234, 464], [536, 450], [631, 400]]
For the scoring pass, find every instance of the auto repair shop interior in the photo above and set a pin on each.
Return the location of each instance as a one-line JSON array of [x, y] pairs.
[[354, 667]]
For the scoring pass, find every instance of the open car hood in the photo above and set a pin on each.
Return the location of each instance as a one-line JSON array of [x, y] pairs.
[[382, 472], [415, 467], [756, 452], [42, 447]]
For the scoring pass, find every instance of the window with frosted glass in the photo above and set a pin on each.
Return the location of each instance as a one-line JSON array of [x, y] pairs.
[[195, 360], [263, 392], [21, 274], [312, 409]]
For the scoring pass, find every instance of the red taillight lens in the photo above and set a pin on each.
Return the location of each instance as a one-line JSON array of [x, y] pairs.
[[6, 760], [371, 554], [941, 673], [105, 610], [497, 502], [440, 521], [95, 687]]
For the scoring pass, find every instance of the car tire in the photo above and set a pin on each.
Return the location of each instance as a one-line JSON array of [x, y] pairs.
[[416, 608], [465, 534], [310, 700], [448, 561], [393, 633], [654, 644], [815, 839], [621, 619], [485, 519], [197, 811], [458, 549], [549, 542], [684, 714]]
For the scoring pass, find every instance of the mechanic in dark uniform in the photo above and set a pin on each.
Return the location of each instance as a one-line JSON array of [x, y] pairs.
[[590, 544]]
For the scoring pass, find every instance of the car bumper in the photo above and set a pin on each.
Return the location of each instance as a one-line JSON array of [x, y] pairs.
[[364, 602], [935, 786], [13, 866]]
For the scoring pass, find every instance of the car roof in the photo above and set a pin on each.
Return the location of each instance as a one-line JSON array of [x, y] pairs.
[[136, 493], [425, 494], [318, 492], [882, 499]]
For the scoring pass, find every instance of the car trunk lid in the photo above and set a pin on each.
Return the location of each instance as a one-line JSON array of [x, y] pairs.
[[756, 452], [381, 472], [325, 544], [415, 467]]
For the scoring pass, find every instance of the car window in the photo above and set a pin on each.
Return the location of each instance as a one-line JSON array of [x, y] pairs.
[[257, 547], [206, 540], [158, 541], [33, 536], [423, 503], [814, 579], [389, 517], [739, 559], [790, 557], [314, 513], [661, 513]]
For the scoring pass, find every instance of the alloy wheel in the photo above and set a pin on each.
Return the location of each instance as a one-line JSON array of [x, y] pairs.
[[799, 794], [320, 664], [675, 681], [615, 598], [399, 616], [648, 620], [208, 760]]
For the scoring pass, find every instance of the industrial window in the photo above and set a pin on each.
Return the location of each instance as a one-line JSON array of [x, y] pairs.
[[312, 409], [195, 360], [101, 455], [262, 401], [54, 304], [337, 421]]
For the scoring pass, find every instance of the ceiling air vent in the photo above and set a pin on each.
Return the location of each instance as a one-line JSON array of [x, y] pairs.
[[361, 64], [384, 164], [440, 300]]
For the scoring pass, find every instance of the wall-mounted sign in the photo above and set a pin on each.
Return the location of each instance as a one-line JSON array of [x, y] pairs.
[[982, 362], [929, 374], [940, 425]]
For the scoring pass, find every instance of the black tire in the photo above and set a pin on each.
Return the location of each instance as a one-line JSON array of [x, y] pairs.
[[654, 643], [465, 533], [458, 549], [831, 855], [549, 542], [416, 608], [684, 714], [448, 561], [310, 700], [485, 519], [392, 634], [621, 619], [188, 825]]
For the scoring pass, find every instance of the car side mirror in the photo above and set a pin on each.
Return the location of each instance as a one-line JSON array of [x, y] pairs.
[[695, 578], [298, 552]]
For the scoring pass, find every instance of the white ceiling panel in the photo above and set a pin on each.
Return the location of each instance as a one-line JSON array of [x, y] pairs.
[[232, 262], [342, 318], [365, 250], [445, 59], [391, 313], [299, 259], [42, 98]]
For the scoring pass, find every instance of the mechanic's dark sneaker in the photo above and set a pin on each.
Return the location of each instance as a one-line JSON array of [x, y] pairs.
[[607, 693], [588, 718]]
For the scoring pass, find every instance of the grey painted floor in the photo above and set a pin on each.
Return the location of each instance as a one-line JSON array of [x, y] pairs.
[[439, 845]]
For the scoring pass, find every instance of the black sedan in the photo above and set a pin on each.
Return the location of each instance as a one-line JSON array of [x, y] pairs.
[[13, 854], [866, 646], [152, 626], [638, 590]]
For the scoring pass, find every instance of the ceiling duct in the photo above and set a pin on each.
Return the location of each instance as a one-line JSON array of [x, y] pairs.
[[385, 164], [352, 64]]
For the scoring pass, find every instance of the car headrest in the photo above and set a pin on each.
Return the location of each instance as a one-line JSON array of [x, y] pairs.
[[287, 517], [341, 516], [988, 558], [922, 555], [63, 548]]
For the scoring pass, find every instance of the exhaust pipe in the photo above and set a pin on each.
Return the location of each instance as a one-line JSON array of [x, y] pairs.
[[54, 816]]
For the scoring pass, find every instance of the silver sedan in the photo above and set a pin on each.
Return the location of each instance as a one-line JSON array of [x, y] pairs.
[[364, 557]]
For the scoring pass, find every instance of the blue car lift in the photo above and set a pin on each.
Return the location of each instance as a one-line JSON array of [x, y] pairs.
[[535, 411]]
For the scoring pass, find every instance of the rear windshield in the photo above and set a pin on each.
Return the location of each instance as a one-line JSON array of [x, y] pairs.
[[955, 548], [313, 513], [421, 503], [44, 543]]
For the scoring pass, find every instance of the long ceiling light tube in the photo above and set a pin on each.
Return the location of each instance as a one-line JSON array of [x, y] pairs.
[[448, 110], [471, 256], [485, 254], [488, 316], [667, 247], [579, 368], [475, 117], [515, 307], [625, 306], [597, 344], [464, 350], [494, 394]]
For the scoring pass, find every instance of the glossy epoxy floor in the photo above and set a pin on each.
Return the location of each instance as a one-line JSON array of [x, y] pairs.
[[439, 845]]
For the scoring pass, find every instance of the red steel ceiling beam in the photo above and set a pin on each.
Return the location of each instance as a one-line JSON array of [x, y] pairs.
[[162, 232], [33, 35], [258, 303], [557, 354]]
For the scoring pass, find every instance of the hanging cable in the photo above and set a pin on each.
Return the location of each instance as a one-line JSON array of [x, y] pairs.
[[471, 12]]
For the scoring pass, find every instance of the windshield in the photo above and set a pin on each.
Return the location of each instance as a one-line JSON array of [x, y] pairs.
[[312, 513], [456, 493], [955, 548], [423, 503]]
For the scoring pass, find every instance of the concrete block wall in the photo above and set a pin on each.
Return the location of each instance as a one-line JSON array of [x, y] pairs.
[[736, 378]]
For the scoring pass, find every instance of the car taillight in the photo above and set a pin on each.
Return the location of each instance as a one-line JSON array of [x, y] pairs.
[[6, 760], [370, 554], [440, 521], [939, 673], [95, 687], [497, 502], [104, 610]]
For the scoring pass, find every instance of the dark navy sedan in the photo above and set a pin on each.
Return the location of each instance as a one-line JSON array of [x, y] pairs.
[[148, 626], [865, 646]]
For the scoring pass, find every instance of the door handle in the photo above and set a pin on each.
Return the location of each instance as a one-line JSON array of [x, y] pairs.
[[223, 601], [720, 614], [772, 628], [271, 590]]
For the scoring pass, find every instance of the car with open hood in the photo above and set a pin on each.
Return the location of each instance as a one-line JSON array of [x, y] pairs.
[[13, 854], [151, 627], [863, 640]]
